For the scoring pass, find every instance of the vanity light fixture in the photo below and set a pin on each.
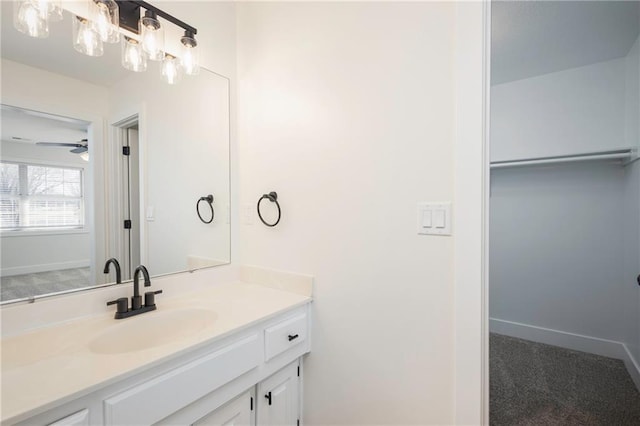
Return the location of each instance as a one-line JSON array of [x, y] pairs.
[[143, 37], [28, 20], [171, 69], [152, 35], [105, 20], [85, 39], [189, 54], [133, 57]]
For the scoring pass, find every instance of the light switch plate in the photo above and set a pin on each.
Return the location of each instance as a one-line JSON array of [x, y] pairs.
[[434, 218]]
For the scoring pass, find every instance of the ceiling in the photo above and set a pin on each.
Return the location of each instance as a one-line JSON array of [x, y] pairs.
[[24, 126], [56, 53], [532, 38]]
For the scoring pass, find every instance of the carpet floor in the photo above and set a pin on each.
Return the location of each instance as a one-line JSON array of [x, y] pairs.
[[27, 285], [537, 384]]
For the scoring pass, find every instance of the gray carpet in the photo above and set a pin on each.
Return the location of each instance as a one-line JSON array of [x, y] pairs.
[[20, 286], [537, 384]]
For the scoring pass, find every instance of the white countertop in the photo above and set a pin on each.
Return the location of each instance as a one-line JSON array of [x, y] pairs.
[[44, 367]]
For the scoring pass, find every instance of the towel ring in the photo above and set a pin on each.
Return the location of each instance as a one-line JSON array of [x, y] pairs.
[[208, 199], [273, 197]]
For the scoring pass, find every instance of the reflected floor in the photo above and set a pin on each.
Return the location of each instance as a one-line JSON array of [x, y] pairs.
[[21, 286]]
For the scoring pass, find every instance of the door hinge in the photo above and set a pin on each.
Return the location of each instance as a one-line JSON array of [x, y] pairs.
[[298, 371], [251, 403], [127, 224], [126, 150]]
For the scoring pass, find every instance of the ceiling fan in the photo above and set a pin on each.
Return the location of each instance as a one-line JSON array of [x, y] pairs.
[[78, 147]]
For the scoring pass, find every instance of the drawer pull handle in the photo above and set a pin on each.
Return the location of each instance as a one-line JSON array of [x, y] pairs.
[[295, 336], [268, 396]]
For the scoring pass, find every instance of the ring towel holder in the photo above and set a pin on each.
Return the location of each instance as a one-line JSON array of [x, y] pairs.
[[209, 200], [273, 197]]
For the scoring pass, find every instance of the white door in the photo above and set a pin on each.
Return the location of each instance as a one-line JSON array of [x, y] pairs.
[[278, 398], [238, 412]]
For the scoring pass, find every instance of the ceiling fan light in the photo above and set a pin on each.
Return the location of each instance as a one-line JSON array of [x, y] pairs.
[[105, 20], [85, 155], [133, 56], [152, 36], [28, 20], [85, 39]]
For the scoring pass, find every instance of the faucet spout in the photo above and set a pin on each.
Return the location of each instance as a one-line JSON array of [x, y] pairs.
[[117, 266], [136, 300]]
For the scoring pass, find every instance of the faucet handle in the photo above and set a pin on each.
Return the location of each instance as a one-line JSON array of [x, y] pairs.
[[122, 305], [149, 297]]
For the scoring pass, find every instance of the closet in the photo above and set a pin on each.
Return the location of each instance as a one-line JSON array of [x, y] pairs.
[[565, 212]]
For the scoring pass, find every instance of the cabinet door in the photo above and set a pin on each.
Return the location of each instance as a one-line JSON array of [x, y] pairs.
[[278, 399], [238, 412]]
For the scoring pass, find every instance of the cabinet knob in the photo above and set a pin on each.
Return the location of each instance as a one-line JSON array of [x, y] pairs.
[[295, 336]]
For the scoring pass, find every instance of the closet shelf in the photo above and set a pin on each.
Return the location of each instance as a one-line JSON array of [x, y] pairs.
[[625, 156]]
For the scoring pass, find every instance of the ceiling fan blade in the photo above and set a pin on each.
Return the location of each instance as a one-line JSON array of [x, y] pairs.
[[59, 144], [79, 150]]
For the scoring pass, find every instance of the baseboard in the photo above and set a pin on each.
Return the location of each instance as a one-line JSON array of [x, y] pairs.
[[45, 267], [632, 366], [563, 339]]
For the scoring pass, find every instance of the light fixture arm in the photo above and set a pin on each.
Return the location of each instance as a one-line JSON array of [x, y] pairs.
[[126, 11]]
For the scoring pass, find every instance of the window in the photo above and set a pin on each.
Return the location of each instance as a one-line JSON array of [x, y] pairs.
[[39, 196]]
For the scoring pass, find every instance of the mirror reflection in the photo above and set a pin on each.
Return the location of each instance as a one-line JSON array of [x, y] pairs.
[[98, 162]]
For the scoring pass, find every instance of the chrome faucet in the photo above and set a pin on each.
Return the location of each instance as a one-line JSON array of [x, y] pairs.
[[137, 307], [117, 266]]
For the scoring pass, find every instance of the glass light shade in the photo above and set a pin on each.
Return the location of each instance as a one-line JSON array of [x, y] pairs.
[[85, 39], [171, 72], [189, 58], [28, 20], [105, 20], [133, 56], [50, 10], [84, 155], [152, 36]]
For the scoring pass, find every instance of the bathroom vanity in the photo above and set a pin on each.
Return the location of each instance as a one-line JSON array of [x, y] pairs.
[[229, 353]]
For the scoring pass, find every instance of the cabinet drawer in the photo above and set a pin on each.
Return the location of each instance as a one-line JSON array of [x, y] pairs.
[[154, 400], [284, 335]]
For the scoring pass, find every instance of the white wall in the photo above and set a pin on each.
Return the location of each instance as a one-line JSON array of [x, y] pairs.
[[346, 110], [28, 252], [566, 112], [184, 136], [556, 248]]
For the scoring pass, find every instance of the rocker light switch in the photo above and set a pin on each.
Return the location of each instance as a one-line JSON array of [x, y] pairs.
[[434, 218], [426, 219]]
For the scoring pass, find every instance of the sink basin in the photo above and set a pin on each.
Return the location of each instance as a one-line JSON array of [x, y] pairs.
[[152, 329]]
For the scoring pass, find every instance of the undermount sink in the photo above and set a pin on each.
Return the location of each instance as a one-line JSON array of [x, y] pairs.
[[151, 329]]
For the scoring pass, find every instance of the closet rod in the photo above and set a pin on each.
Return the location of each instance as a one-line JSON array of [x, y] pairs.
[[568, 159]]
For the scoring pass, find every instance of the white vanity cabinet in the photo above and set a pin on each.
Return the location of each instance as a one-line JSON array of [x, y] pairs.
[[279, 397], [224, 382], [238, 412]]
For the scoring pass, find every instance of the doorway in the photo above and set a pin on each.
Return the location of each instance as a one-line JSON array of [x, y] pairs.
[[564, 213]]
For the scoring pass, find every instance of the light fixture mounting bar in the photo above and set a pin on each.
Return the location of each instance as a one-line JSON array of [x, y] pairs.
[[165, 15]]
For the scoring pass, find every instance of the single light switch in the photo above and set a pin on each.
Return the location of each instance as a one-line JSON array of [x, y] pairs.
[[150, 214], [426, 219], [439, 218]]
